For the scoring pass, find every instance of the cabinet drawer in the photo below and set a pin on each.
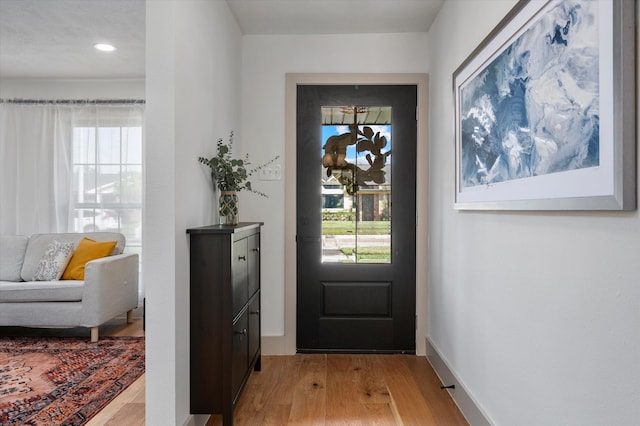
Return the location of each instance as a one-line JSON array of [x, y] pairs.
[[254, 327], [240, 289], [253, 243], [239, 352]]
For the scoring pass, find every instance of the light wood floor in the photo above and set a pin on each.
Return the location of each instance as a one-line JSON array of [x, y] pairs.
[[344, 390], [306, 390]]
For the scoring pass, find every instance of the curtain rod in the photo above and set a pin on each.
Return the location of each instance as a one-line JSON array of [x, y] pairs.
[[74, 101]]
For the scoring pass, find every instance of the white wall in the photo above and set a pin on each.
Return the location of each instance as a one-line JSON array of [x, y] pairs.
[[266, 61], [536, 313], [71, 89], [193, 97]]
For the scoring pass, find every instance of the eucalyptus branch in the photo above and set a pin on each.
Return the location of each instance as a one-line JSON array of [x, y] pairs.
[[231, 174]]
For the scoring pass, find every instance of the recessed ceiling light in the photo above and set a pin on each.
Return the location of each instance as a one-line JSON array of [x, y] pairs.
[[104, 47]]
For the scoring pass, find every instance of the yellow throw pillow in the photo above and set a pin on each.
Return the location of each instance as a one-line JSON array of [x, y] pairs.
[[87, 250]]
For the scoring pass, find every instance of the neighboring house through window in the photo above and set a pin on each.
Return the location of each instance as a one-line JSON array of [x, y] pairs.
[[107, 181]]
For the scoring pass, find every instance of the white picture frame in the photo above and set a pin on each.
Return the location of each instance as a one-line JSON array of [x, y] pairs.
[[545, 110]]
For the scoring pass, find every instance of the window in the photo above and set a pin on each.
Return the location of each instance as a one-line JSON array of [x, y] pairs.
[[356, 184], [107, 181]]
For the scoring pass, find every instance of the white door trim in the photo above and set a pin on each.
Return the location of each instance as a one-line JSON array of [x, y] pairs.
[[286, 345]]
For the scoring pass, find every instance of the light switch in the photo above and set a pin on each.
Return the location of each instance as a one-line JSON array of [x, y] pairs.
[[271, 172]]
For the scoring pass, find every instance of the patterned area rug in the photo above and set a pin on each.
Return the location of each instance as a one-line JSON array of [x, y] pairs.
[[64, 380]]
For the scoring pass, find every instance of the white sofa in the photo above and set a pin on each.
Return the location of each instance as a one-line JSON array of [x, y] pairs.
[[110, 285]]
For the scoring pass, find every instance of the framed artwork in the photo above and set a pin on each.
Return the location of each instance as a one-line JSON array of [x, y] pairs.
[[545, 110]]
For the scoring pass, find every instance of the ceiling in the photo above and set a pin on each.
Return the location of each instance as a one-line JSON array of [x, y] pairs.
[[334, 16], [54, 38]]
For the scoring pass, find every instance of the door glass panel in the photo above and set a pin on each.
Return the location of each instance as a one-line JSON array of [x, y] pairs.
[[356, 184]]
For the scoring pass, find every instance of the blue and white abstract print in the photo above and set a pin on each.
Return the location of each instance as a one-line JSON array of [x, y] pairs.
[[534, 109]]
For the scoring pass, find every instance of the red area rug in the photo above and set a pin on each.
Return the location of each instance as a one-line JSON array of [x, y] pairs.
[[64, 380]]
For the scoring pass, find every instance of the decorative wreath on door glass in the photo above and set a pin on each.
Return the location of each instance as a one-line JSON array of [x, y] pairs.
[[352, 176]]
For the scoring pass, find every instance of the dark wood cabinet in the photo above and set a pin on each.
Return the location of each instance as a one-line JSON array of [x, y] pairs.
[[225, 314]]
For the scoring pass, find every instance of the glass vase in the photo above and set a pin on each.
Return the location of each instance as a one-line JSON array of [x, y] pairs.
[[228, 203]]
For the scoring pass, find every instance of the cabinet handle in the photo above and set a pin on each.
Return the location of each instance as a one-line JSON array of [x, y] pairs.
[[256, 312], [242, 257], [257, 249], [243, 332]]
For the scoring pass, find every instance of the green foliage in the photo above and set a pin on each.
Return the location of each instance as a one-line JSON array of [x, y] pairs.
[[369, 254], [342, 227], [231, 174], [338, 216]]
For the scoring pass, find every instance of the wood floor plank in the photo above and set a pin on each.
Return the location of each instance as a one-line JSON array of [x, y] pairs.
[[379, 415], [407, 402], [274, 415], [140, 390], [372, 389], [250, 402], [372, 392], [343, 405], [268, 394], [130, 415], [331, 390], [440, 402], [309, 398], [280, 385]]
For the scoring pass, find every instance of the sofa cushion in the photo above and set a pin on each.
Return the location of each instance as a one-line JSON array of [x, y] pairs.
[[54, 261], [87, 251], [38, 243], [41, 291], [12, 249]]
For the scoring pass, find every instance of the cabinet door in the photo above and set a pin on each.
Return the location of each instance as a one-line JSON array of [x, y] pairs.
[[254, 263], [240, 275], [254, 327], [240, 352]]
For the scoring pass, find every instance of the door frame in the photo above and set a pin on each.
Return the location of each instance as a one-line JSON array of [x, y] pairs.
[[286, 344]]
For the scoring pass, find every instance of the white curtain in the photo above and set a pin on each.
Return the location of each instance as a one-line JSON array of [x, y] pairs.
[[36, 170], [68, 166]]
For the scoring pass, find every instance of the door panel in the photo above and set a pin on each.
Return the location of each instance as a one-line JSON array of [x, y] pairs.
[[355, 232], [240, 275], [356, 299]]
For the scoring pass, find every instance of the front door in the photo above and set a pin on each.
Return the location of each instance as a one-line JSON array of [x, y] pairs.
[[356, 215]]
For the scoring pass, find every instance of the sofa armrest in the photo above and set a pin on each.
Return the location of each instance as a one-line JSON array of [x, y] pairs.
[[110, 288]]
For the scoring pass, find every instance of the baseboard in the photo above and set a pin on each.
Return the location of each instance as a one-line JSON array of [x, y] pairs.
[[470, 410], [196, 420], [276, 345]]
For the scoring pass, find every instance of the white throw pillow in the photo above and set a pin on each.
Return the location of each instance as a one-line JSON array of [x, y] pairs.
[[54, 261], [12, 250]]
